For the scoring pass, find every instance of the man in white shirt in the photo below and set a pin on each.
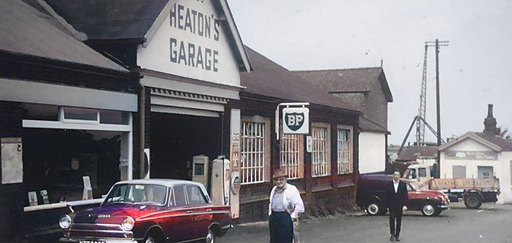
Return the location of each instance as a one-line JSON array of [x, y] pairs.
[[285, 207]]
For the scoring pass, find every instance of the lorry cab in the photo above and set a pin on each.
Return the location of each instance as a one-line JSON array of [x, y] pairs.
[[419, 175]]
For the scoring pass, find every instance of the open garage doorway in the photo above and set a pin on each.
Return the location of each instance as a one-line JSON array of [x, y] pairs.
[[175, 139]]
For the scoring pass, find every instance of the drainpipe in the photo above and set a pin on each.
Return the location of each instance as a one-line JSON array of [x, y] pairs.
[[142, 130]]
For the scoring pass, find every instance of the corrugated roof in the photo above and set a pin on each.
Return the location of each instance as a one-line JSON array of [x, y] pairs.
[[25, 30], [272, 80], [357, 80]]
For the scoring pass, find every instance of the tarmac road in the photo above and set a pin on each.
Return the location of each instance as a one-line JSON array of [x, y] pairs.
[[490, 223]]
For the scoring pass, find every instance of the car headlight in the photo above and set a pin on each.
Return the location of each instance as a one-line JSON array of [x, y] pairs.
[[128, 223], [65, 221]]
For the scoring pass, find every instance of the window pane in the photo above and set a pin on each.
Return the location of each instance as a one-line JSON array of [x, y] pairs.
[[291, 155], [344, 148], [179, 195], [252, 152], [459, 171], [113, 117], [195, 196], [80, 114], [41, 112], [320, 155]]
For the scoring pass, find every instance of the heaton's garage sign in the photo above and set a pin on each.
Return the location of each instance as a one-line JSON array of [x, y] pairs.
[[202, 25], [191, 39], [296, 120]]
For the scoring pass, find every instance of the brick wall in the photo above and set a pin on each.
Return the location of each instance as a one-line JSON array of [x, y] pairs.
[[254, 201]]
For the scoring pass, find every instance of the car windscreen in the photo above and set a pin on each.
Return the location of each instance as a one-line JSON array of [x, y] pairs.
[[137, 193]]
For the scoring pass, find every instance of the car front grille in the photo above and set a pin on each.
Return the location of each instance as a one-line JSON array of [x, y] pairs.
[[99, 231]]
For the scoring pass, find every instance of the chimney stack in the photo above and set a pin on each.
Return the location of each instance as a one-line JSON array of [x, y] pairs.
[[490, 122]]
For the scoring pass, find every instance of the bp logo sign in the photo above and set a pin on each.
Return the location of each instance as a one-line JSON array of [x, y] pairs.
[[295, 120]]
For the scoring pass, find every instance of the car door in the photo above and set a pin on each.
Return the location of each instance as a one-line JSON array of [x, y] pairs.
[[200, 210], [414, 198], [178, 225]]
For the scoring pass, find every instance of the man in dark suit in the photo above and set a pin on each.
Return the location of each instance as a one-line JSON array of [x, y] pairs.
[[397, 198]]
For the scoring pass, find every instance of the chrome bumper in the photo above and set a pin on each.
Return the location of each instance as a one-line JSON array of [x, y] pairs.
[[79, 240]]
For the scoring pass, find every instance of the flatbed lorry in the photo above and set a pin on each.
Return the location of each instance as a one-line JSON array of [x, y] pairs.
[[472, 191]]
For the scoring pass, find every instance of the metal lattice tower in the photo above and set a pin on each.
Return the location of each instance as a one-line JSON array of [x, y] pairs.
[[420, 124], [419, 119]]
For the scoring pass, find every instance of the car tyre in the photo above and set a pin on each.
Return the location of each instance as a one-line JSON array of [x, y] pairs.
[[429, 210], [149, 239], [153, 238], [473, 201], [210, 237], [374, 209]]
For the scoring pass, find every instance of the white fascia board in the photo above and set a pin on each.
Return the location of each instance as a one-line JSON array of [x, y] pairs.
[[75, 126], [60, 95]]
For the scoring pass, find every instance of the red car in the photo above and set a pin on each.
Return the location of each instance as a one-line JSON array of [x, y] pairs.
[[371, 196], [149, 211]]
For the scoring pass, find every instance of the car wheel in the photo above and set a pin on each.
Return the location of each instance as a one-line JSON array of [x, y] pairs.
[[428, 210], [149, 239], [210, 237], [473, 201], [154, 238], [374, 209]]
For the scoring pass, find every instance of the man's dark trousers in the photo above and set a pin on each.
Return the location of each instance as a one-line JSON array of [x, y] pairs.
[[395, 220]]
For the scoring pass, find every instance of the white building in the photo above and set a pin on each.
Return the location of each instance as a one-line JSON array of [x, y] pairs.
[[480, 155]]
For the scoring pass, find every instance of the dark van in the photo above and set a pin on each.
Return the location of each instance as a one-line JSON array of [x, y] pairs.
[[371, 196]]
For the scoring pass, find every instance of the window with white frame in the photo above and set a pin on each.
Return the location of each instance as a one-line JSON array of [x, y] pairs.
[[254, 150], [320, 156], [344, 153], [292, 155]]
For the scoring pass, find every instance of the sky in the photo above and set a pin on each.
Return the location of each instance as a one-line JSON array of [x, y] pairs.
[[475, 68]]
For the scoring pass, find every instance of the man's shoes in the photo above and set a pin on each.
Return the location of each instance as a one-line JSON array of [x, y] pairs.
[[392, 238], [397, 239]]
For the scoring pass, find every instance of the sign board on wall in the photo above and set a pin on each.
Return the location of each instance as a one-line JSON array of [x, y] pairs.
[[12, 162], [295, 120], [192, 42]]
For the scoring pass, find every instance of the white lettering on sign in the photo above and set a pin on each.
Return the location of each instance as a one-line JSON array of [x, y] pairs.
[[295, 120], [200, 24]]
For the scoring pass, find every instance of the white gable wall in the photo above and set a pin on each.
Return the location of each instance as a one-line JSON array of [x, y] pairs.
[[191, 42], [501, 165], [372, 152], [504, 173]]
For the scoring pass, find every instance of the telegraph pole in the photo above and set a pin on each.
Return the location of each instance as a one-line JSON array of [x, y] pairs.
[[438, 101]]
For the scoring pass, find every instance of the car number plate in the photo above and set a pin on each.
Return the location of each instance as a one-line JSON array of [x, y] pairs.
[[92, 241]]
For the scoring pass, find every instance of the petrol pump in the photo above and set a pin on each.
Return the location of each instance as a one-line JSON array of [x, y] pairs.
[[200, 169], [225, 177]]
